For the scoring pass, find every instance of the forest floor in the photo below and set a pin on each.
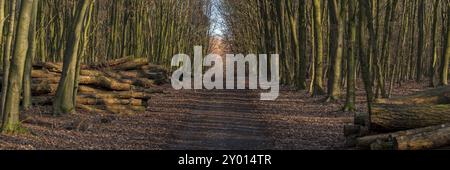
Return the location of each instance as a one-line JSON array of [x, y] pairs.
[[199, 119]]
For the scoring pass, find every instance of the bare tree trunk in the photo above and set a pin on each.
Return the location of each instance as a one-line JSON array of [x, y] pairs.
[[7, 54], [26, 102], [318, 88], [446, 57], [63, 103], [11, 123]]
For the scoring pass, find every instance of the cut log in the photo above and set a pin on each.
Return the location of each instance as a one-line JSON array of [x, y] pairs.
[[132, 65], [424, 139], [43, 89], [427, 140], [92, 73], [130, 78], [389, 118], [48, 80], [42, 74], [429, 97], [104, 82], [113, 109], [89, 90], [120, 86], [151, 68], [53, 67], [118, 95], [98, 81], [111, 63], [367, 141], [87, 100]]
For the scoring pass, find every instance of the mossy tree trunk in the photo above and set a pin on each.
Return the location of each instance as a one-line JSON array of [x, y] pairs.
[[26, 102], [7, 53], [337, 20], [446, 57], [64, 100], [2, 23], [11, 123], [350, 104], [421, 43], [82, 52], [318, 88], [302, 31]]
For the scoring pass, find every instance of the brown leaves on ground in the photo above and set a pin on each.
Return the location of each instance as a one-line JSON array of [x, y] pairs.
[[198, 120]]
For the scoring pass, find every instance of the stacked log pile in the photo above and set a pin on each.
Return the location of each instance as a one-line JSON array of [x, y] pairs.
[[416, 122], [121, 86]]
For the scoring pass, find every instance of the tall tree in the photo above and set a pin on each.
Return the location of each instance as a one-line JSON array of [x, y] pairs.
[[434, 30], [302, 31], [11, 123], [64, 103], [7, 53], [350, 104], [337, 11], [446, 57], [421, 43], [26, 101], [318, 88], [2, 23]]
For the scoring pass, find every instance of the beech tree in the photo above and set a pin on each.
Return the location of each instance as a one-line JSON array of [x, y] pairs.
[[11, 109], [64, 100]]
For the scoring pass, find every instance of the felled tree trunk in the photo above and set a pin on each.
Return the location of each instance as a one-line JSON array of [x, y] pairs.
[[430, 97], [131, 65], [403, 117], [43, 89], [112, 109], [111, 63], [417, 139], [104, 82], [120, 86], [95, 93], [423, 109], [367, 141], [108, 101]]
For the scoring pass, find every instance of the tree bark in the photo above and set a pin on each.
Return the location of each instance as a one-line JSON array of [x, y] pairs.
[[337, 20], [26, 101], [350, 104], [429, 97], [7, 54], [63, 103], [432, 137], [11, 123], [318, 88], [446, 57], [403, 117]]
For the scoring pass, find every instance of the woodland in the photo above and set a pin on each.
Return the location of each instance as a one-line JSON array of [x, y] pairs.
[[382, 66]]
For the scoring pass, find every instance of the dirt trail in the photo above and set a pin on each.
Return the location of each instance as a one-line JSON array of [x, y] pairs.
[[218, 119], [237, 119]]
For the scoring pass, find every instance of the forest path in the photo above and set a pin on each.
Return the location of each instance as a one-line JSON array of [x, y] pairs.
[[239, 120], [216, 119]]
